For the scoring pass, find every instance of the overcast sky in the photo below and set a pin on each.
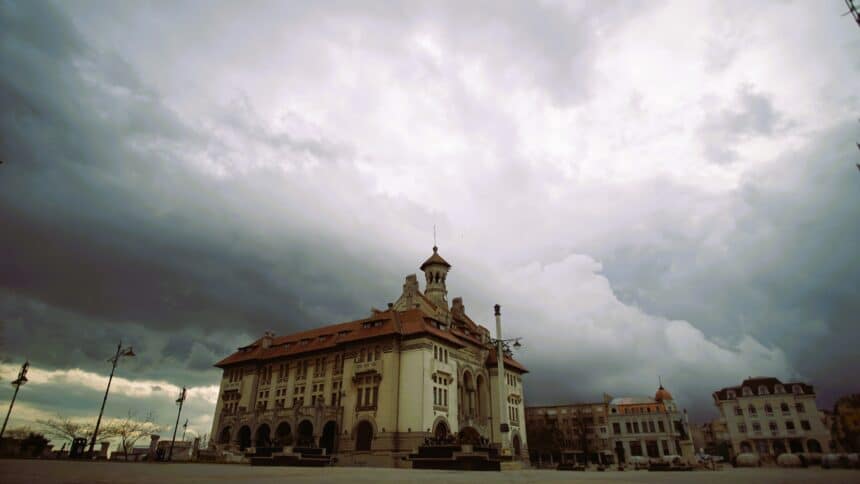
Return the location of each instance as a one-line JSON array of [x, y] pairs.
[[657, 188]]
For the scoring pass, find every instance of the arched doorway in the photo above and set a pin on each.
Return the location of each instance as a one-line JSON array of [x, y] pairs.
[[778, 448], [283, 434], [796, 446], [363, 436], [469, 436], [224, 436], [517, 446], [306, 434], [244, 437], [813, 446], [746, 447], [441, 430], [329, 434], [263, 436]]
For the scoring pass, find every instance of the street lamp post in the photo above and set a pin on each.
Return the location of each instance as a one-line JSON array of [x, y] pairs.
[[120, 352], [501, 349], [22, 379], [175, 427]]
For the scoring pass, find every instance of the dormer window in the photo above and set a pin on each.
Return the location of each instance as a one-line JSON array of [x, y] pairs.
[[305, 341], [762, 390], [323, 337], [731, 395], [778, 389], [797, 389], [747, 391]]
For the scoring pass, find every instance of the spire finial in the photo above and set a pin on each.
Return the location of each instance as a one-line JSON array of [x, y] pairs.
[[660, 379], [434, 237]]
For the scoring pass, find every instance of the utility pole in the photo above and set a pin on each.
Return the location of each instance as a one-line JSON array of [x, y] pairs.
[[175, 427], [504, 427], [120, 352], [22, 379], [502, 349]]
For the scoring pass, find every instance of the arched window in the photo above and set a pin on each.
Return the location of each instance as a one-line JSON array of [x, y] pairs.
[[784, 408], [762, 390], [752, 410], [768, 409], [797, 389]]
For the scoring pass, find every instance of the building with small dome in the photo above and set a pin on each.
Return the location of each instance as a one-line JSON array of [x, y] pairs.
[[648, 427], [623, 427], [370, 391]]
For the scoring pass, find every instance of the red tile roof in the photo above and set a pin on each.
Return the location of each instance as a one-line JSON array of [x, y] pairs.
[[435, 259], [411, 322], [510, 363]]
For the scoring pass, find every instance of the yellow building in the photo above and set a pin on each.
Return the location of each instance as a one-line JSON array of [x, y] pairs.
[[371, 390], [847, 419]]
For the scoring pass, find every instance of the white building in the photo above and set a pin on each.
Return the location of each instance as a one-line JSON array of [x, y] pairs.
[[371, 390], [647, 427], [768, 417]]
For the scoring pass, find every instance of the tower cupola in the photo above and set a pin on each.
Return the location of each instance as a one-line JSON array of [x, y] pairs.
[[435, 272]]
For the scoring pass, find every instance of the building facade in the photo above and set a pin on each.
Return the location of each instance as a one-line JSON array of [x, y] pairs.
[[768, 417], [371, 390], [554, 429], [647, 427]]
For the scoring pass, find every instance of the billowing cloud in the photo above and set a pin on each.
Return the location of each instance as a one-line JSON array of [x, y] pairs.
[[646, 191]]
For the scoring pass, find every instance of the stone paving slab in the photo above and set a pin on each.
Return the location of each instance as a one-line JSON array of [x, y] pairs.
[[36, 471]]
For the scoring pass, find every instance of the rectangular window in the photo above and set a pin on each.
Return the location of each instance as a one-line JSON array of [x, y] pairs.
[[738, 410], [661, 426], [635, 427], [629, 427], [742, 428], [789, 424], [651, 426], [800, 408], [804, 424], [616, 428], [665, 445]]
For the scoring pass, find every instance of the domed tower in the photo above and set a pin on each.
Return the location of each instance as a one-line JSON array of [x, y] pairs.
[[435, 272], [663, 396]]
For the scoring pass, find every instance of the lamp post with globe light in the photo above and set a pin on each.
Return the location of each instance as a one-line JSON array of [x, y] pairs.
[[22, 379], [503, 348], [120, 352]]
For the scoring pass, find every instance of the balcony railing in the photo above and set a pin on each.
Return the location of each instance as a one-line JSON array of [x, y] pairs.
[[368, 366]]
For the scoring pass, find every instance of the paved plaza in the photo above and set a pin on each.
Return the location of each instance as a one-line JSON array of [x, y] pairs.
[[38, 471]]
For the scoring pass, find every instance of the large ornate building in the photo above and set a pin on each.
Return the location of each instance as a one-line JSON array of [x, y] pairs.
[[768, 417], [371, 390]]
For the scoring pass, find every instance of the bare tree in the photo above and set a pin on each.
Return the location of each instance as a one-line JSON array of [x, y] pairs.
[[66, 428], [129, 430]]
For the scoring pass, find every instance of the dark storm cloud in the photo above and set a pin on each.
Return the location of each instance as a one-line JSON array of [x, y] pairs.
[[785, 272], [99, 236]]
